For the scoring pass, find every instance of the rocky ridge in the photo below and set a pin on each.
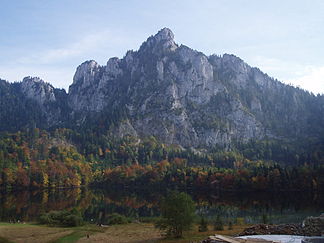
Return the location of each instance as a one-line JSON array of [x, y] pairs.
[[181, 96], [36, 89]]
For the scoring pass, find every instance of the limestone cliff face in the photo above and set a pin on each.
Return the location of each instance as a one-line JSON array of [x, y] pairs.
[[169, 91], [36, 89], [180, 96], [84, 93], [51, 101]]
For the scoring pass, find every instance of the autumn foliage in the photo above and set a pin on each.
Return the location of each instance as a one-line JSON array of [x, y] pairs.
[[64, 158], [37, 159]]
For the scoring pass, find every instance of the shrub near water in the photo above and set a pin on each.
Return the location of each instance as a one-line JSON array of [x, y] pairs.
[[62, 218], [203, 225], [218, 223], [178, 214], [117, 218]]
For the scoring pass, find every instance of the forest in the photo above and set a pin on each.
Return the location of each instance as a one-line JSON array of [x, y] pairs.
[[64, 158]]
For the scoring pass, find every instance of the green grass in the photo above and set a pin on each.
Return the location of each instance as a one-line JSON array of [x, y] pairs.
[[4, 240], [75, 233], [88, 228], [78, 233], [70, 238], [17, 224]]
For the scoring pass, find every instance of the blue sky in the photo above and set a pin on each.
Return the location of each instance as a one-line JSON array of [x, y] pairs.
[[49, 39]]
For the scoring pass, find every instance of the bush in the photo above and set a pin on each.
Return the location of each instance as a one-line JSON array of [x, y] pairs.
[[116, 218], [203, 225], [265, 219], [62, 218], [230, 225], [149, 219], [218, 223], [178, 214], [73, 220], [240, 221]]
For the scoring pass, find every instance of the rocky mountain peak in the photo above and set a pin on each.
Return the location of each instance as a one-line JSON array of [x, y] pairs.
[[30, 79], [159, 43], [85, 80], [164, 34], [85, 74], [37, 89], [112, 69]]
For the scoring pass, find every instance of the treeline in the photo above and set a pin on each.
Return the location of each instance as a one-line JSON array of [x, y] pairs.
[[68, 158], [177, 175]]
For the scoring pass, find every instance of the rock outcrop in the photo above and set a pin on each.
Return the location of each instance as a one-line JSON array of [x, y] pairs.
[[267, 229], [38, 90], [184, 97], [52, 102], [180, 96], [311, 226], [314, 225]]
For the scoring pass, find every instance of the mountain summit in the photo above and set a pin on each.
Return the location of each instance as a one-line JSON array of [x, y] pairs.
[[178, 95], [161, 42]]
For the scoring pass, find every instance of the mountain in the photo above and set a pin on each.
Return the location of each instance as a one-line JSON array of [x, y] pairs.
[[31, 103], [171, 92]]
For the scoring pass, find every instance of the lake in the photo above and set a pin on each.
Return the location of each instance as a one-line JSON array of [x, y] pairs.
[[96, 204]]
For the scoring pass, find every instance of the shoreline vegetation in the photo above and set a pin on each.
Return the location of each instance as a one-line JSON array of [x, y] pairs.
[[69, 226]]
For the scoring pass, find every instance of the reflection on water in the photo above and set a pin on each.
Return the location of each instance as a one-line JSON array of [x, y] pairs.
[[95, 204], [262, 207]]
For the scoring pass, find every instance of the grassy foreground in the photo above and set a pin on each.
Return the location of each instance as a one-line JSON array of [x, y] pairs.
[[129, 233]]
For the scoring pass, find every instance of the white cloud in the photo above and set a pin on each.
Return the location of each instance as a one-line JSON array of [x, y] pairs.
[[87, 44], [307, 77], [280, 69], [57, 65], [313, 80], [102, 45]]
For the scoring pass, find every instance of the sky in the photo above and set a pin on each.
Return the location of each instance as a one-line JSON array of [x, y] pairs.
[[49, 39]]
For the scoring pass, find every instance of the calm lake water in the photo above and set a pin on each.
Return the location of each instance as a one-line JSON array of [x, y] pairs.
[[95, 205]]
